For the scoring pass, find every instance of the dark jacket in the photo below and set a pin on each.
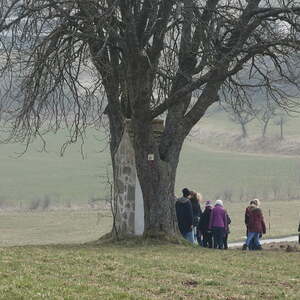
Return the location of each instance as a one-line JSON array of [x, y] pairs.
[[204, 221], [256, 221], [196, 210], [184, 214]]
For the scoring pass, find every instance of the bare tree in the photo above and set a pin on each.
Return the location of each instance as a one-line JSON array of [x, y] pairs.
[[267, 112], [241, 116], [143, 59]]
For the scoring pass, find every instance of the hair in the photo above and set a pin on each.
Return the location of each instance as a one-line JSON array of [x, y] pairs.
[[208, 203], [186, 192], [219, 202], [256, 202], [199, 197], [193, 197]]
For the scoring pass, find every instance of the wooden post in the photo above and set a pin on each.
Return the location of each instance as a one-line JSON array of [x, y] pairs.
[[269, 220]]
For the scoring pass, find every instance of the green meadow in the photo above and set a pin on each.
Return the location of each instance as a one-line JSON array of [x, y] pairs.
[[49, 224], [80, 175], [48, 199], [68, 226], [72, 179], [237, 176], [146, 270]]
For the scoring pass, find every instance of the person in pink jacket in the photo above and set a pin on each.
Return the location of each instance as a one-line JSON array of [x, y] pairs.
[[218, 224]]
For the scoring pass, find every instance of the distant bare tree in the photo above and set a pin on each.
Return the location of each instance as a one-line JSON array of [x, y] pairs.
[[63, 61], [242, 116], [267, 111]]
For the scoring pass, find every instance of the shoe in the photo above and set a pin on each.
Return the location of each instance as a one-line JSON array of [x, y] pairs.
[[259, 247], [244, 247]]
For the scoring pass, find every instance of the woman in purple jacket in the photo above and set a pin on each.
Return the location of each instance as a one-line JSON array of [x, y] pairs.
[[218, 224]]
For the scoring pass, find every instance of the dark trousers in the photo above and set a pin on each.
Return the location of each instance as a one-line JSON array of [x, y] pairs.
[[218, 236], [225, 239], [207, 239]]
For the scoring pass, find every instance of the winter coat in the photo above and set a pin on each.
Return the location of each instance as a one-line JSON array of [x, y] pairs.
[[184, 215], [256, 221], [196, 211], [218, 217], [205, 218]]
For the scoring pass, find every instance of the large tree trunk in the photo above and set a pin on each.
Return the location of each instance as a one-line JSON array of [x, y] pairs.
[[157, 180], [159, 199]]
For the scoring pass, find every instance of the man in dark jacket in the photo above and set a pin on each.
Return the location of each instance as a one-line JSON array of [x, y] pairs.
[[184, 215]]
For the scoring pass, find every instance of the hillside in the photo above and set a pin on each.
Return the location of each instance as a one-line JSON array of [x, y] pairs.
[[216, 130]]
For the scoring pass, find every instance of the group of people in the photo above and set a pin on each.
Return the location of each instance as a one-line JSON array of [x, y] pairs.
[[210, 228]]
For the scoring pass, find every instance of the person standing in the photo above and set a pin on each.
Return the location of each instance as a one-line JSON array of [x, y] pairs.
[[247, 214], [256, 226], [184, 215], [197, 212], [203, 226], [227, 231], [218, 224]]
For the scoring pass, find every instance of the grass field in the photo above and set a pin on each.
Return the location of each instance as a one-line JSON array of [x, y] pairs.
[[70, 183], [53, 227], [238, 176], [71, 180], [64, 180], [146, 271], [80, 226], [60, 267]]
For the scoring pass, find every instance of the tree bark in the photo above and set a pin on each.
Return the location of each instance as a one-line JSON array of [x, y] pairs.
[[159, 199], [157, 180]]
